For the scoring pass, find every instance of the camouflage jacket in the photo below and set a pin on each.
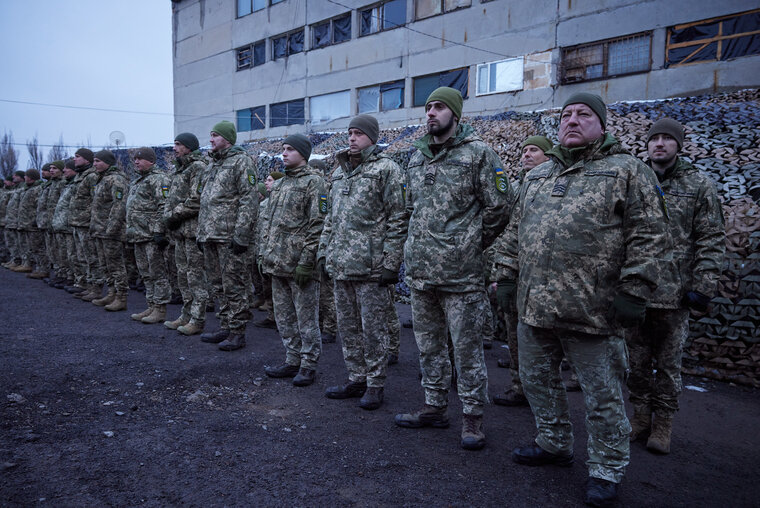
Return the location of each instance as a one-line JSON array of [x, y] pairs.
[[293, 220], [184, 199], [581, 232], [109, 205], [60, 220], [260, 225], [47, 202], [11, 210], [228, 198], [80, 207], [27, 207], [145, 205], [698, 232], [459, 202], [366, 221], [5, 196]]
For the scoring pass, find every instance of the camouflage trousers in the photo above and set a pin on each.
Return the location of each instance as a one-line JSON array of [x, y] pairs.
[[191, 279], [327, 312], [227, 275], [296, 311], [129, 262], [88, 256], [657, 345], [4, 251], [514, 357], [171, 268], [33, 245], [111, 256], [461, 314], [11, 241], [152, 267], [392, 323], [600, 363], [363, 329], [65, 255], [50, 250]]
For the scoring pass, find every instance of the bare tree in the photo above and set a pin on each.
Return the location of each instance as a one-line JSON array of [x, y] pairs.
[[58, 151], [35, 154], [8, 156]]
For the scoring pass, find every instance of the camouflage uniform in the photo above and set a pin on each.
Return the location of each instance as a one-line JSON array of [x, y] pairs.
[[183, 205], [107, 226], [80, 212], [145, 210], [458, 199], [392, 323], [45, 209], [5, 196], [292, 226], [12, 236], [68, 262], [589, 223], [697, 228], [33, 239], [228, 212], [266, 279], [363, 234]]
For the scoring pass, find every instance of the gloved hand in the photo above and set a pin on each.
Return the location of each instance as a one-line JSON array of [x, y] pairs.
[[696, 300], [160, 240], [388, 278], [303, 274], [200, 245], [505, 291], [238, 249], [173, 223], [321, 268], [629, 310]]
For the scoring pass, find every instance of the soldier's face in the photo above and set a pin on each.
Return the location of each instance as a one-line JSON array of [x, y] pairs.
[[28, 180], [100, 166], [218, 143], [268, 183], [662, 149], [579, 126], [46, 174], [291, 157], [17, 179], [55, 172], [440, 119], [532, 156], [142, 165], [68, 172], [80, 161], [180, 149], [357, 141]]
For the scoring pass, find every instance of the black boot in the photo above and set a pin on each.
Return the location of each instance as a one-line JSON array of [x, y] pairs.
[[284, 370], [601, 492], [215, 337], [346, 391], [233, 342]]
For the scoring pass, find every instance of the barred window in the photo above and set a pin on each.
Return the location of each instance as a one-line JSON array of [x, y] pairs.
[[244, 59], [607, 59]]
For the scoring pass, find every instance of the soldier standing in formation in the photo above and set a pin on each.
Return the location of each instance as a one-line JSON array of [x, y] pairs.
[[32, 239], [45, 209], [65, 247], [80, 214], [5, 196]]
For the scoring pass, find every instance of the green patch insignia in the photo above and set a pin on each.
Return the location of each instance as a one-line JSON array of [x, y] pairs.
[[252, 179], [323, 203], [119, 194], [501, 181], [200, 188], [165, 190], [403, 191]]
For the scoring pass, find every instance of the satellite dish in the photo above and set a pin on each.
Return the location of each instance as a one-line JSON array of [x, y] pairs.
[[117, 138]]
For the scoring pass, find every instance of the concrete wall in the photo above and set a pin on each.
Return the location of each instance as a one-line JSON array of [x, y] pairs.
[[208, 88]]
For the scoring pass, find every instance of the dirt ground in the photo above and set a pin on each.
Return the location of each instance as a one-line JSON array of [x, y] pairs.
[[97, 410]]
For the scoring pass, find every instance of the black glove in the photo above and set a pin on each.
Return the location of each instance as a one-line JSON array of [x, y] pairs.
[[505, 291], [303, 274], [388, 278], [200, 245], [321, 268], [173, 223], [238, 249], [629, 310], [696, 300], [160, 240]]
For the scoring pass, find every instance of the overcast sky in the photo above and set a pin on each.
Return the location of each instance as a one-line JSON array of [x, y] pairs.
[[100, 54]]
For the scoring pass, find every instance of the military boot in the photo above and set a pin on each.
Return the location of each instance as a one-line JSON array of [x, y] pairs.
[[473, 437], [659, 439], [428, 416], [233, 342], [105, 300], [372, 399], [173, 325], [215, 337], [38, 274], [191, 328], [74, 289], [641, 422], [93, 293], [512, 397], [347, 391], [119, 303], [140, 315], [156, 316], [25, 268]]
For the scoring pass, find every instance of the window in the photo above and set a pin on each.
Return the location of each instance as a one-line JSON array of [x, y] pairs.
[[381, 97], [714, 39], [288, 44], [244, 59], [251, 55], [606, 59], [331, 32], [251, 119], [426, 8], [245, 7], [385, 16], [286, 113], [424, 85], [503, 76], [259, 53], [324, 108]]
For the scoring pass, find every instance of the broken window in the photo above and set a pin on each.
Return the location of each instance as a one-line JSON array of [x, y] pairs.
[[427, 8], [331, 32], [251, 119], [244, 57], [606, 59], [286, 113], [383, 97], [279, 47], [424, 85], [259, 53], [287, 44], [385, 16]]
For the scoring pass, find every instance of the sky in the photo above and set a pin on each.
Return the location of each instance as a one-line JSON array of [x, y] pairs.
[[90, 56]]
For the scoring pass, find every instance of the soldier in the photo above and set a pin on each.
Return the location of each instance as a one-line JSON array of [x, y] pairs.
[[292, 225], [226, 223], [5, 196], [589, 233], [266, 280], [80, 213], [68, 262], [698, 232], [146, 230], [13, 235], [45, 209], [33, 240], [459, 198], [361, 248], [181, 216], [107, 227]]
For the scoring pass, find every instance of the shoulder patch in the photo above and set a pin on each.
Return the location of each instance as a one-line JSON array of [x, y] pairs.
[[199, 190], [501, 181], [323, 203], [251, 178], [119, 193], [165, 190]]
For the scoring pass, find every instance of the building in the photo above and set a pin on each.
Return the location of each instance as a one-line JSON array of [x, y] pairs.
[[280, 66]]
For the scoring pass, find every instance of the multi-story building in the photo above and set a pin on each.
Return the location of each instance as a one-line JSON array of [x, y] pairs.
[[281, 66]]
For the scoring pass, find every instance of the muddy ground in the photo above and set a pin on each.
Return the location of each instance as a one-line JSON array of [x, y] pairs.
[[97, 410]]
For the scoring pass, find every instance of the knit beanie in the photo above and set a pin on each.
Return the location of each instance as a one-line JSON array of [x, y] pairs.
[[301, 143], [367, 124], [320, 163], [33, 174], [58, 164], [449, 96], [262, 189], [106, 156], [540, 141], [20, 174], [591, 100], [69, 164], [667, 126], [225, 129], [277, 174], [145, 153], [85, 153], [189, 140]]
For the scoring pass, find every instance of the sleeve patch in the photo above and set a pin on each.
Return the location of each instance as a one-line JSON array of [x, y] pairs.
[[165, 191], [501, 181], [119, 194], [251, 178], [323, 203]]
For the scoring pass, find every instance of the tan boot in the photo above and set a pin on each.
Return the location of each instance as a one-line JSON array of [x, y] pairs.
[[641, 422], [659, 439], [93, 293], [173, 325], [140, 315], [119, 303], [105, 300], [156, 316], [23, 269], [38, 274], [191, 328]]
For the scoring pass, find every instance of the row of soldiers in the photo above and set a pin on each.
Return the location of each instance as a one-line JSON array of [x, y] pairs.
[[592, 255]]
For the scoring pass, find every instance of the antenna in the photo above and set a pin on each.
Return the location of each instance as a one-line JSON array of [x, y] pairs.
[[117, 138]]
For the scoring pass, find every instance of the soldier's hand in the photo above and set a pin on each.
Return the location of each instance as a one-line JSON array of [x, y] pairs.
[[303, 274], [200, 245], [173, 223], [388, 278], [629, 310], [505, 291], [160, 240], [321, 268], [696, 300], [238, 249]]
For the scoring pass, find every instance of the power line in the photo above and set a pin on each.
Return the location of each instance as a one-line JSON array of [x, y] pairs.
[[89, 108]]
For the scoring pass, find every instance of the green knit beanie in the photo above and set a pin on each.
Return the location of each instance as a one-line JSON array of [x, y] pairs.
[[225, 129], [591, 100], [58, 164], [145, 153], [367, 124], [106, 156], [667, 126], [301, 143], [86, 154], [449, 96], [189, 140], [33, 174], [540, 141]]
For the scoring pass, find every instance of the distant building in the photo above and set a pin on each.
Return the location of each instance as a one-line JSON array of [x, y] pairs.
[[280, 66]]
